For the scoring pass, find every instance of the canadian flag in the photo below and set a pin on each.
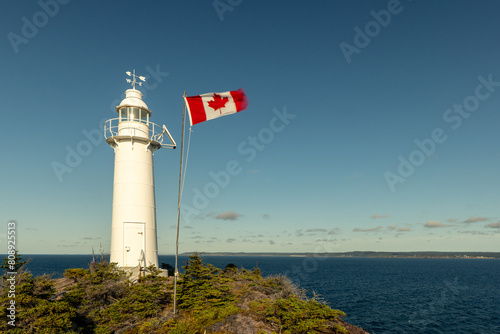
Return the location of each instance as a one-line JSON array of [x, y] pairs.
[[212, 105]]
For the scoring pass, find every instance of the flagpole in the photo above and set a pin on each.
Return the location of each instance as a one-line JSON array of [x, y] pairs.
[[176, 274]]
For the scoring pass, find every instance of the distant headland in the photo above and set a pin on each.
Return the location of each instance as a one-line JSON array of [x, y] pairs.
[[371, 254]]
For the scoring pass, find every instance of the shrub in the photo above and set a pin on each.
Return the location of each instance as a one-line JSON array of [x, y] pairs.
[[296, 316], [34, 312], [76, 274], [48, 317], [43, 287], [200, 287], [142, 302], [285, 287], [97, 288], [340, 329], [231, 267], [102, 300]]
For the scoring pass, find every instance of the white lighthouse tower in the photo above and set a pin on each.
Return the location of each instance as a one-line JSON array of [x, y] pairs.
[[134, 139]]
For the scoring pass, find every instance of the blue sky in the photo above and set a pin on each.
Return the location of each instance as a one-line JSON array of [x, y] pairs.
[[374, 124]]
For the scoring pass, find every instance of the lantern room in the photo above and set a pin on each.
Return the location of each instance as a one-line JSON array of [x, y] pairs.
[[133, 108]]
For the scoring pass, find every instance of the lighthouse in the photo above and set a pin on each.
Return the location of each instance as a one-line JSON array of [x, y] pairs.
[[134, 139]]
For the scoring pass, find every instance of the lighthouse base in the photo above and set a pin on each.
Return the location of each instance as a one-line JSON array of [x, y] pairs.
[[137, 273], [133, 244]]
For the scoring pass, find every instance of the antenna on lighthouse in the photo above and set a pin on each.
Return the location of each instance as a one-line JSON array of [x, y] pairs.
[[134, 81]]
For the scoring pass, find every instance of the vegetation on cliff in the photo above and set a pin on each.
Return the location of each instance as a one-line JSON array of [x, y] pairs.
[[102, 299]]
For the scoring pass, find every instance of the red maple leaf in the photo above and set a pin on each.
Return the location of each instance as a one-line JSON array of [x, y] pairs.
[[218, 102]]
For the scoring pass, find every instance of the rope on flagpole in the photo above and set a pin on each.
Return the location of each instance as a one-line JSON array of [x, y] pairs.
[[176, 274], [186, 163]]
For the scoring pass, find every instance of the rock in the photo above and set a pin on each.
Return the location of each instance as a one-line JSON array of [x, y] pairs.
[[351, 328]]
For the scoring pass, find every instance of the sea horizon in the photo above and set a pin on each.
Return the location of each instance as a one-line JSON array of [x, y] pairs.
[[381, 254]]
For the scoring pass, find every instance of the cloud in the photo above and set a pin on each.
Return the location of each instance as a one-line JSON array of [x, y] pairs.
[[202, 216], [474, 232], [230, 240], [228, 215], [331, 241], [271, 242], [392, 227], [404, 229], [494, 225], [334, 231], [377, 216], [266, 216], [451, 220], [316, 230], [433, 224], [374, 229], [473, 219]]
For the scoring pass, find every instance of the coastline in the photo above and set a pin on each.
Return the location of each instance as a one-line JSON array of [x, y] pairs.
[[368, 254]]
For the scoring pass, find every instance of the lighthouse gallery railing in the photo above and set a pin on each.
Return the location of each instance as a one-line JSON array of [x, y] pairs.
[[154, 133]]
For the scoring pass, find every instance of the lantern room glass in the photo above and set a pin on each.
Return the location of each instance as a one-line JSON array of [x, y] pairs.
[[133, 114]]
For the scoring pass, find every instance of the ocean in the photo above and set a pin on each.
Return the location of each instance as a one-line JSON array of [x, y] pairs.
[[380, 295]]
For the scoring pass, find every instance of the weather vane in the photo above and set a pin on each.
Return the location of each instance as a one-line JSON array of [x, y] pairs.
[[134, 81]]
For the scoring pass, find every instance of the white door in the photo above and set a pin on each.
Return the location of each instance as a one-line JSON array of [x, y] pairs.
[[134, 242]]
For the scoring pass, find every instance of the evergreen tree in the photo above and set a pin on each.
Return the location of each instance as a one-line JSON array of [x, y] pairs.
[[201, 287], [13, 265]]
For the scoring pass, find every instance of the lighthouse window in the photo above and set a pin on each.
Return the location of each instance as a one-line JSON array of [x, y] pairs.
[[144, 116], [135, 114], [125, 114]]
